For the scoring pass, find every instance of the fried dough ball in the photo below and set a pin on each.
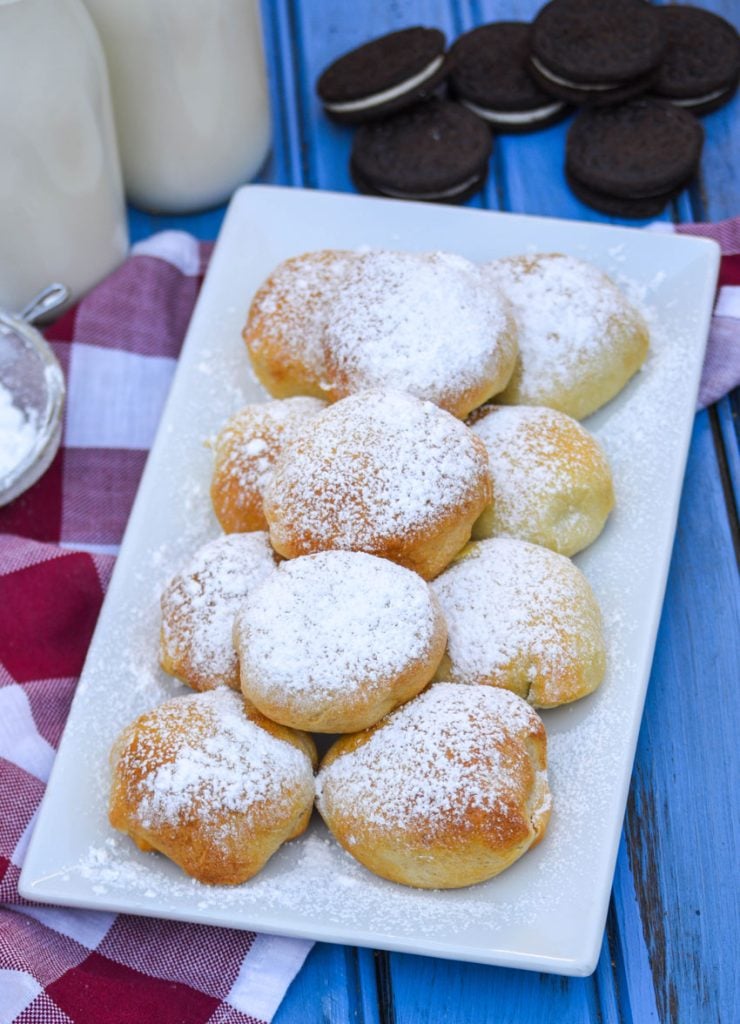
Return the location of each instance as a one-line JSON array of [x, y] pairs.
[[211, 784], [580, 338], [446, 791], [381, 472], [523, 618], [199, 605], [551, 481], [427, 323], [333, 641], [287, 319], [246, 450]]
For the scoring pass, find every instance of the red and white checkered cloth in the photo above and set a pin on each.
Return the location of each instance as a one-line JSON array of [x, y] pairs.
[[118, 348], [722, 364]]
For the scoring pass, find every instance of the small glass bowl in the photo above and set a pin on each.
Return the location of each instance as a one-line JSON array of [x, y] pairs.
[[30, 371]]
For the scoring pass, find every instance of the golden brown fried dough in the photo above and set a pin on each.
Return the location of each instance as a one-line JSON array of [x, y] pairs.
[[214, 786], [445, 792]]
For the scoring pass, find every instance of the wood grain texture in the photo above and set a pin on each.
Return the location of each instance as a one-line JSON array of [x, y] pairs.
[[668, 949]]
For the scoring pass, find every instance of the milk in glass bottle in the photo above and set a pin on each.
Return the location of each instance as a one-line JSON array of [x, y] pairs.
[[62, 215], [190, 97]]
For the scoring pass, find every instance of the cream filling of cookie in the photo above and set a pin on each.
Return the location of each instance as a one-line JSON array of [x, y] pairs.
[[552, 77], [448, 193], [515, 116], [387, 95], [694, 101]]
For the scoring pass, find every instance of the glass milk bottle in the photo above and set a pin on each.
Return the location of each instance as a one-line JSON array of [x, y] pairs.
[[62, 215], [189, 95]]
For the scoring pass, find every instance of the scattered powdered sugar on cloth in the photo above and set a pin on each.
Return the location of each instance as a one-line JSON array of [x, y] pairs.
[[330, 624]]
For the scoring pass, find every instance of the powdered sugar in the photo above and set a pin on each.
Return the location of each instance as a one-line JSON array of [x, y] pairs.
[[519, 616], [374, 468], [424, 323], [199, 758], [545, 467], [199, 605], [246, 451], [18, 432], [332, 624], [569, 316], [287, 320], [432, 762], [536, 911]]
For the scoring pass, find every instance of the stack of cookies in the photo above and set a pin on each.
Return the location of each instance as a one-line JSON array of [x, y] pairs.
[[641, 73], [395, 570]]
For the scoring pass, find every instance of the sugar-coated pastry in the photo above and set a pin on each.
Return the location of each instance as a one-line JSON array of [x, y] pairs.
[[446, 791], [381, 472], [287, 319], [426, 323], [211, 784], [333, 641], [523, 618], [246, 450], [551, 481], [580, 339], [199, 604]]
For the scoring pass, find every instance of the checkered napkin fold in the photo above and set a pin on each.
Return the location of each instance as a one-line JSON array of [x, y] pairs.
[[118, 348]]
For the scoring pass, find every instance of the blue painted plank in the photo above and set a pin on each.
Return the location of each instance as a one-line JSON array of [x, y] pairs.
[[680, 824], [728, 413], [336, 985]]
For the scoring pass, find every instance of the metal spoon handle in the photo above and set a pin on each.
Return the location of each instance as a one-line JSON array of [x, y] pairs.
[[46, 300]]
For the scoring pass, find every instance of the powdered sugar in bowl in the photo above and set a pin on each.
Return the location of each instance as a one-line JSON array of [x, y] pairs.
[[31, 396]]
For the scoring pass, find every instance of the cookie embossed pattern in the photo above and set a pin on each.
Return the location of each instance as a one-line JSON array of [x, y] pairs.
[[547, 911]]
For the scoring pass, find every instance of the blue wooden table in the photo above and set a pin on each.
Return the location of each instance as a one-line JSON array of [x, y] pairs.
[[672, 932]]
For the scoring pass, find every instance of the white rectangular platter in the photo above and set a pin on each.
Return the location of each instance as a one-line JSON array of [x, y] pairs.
[[547, 912]]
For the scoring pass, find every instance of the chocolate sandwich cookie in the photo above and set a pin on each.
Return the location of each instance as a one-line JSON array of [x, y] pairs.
[[437, 151], [701, 66], [384, 76], [489, 76], [628, 161], [596, 52]]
